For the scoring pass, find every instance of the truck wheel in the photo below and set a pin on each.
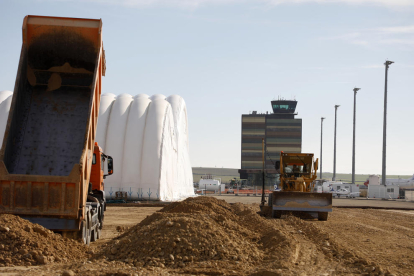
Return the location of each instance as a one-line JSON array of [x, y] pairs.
[[85, 232], [276, 214], [87, 239], [98, 232], [94, 234], [323, 216], [102, 216]]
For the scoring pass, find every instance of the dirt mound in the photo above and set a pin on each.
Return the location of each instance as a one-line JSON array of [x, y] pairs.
[[26, 243], [206, 205], [200, 230]]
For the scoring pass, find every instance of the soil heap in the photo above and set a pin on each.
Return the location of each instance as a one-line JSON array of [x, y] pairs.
[[26, 243], [201, 230]]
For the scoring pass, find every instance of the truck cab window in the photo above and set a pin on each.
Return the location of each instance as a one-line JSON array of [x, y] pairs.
[[94, 159]]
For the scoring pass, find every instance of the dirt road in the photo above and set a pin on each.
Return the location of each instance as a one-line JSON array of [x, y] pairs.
[[382, 237], [351, 242]]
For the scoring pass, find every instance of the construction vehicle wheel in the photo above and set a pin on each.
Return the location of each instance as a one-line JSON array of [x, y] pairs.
[[323, 216], [276, 214]]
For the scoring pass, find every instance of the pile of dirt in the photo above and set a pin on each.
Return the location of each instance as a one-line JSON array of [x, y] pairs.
[[201, 230], [26, 243]]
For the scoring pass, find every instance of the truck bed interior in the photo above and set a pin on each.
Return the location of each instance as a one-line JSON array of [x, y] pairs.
[[52, 106]]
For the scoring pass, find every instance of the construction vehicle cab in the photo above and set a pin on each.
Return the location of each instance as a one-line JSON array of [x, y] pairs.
[[297, 171], [297, 177]]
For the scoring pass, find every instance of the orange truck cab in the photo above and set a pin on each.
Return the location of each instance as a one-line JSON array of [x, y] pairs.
[[96, 192], [97, 173]]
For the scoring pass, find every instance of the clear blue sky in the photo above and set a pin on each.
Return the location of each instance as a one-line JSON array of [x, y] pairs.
[[228, 57]]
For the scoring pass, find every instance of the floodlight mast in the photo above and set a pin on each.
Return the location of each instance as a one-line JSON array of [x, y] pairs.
[[384, 134], [322, 118], [353, 144], [334, 163]]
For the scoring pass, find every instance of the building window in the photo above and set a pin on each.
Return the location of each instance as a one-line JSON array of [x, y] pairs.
[[283, 107]]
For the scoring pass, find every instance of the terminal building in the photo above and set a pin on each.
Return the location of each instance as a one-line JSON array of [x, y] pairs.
[[280, 130]]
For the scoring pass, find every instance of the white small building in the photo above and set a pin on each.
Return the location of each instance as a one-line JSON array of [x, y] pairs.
[[409, 195], [381, 191], [374, 179], [208, 183]]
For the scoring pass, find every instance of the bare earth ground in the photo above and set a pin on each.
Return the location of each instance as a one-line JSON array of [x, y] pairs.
[[351, 242]]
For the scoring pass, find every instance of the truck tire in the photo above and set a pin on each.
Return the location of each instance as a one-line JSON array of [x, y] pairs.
[[86, 237], [94, 234], [98, 232], [102, 209], [269, 200], [276, 214], [323, 216], [101, 216], [86, 229]]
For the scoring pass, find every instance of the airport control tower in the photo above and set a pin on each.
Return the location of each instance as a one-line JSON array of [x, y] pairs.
[[281, 131]]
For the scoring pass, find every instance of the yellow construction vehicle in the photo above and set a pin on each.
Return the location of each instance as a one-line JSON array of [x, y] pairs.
[[297, 178]]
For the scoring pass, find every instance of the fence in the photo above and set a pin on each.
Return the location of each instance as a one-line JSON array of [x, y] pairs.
[[132, 194]]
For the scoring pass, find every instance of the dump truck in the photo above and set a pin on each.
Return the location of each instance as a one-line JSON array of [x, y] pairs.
[[298, 172], [51, 169]]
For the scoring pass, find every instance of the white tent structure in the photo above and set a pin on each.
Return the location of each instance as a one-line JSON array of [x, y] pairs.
[[148, 139], [5, 102]]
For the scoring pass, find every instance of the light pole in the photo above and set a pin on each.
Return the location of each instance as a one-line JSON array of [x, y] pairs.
[[334, 163], [384, 134], [322, 118], [353, 144]]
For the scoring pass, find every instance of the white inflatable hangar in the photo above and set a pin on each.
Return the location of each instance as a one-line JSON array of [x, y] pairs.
[[5, 102], [148, 139]]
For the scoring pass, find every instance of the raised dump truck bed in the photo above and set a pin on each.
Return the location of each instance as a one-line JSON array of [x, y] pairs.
[[46, 156]]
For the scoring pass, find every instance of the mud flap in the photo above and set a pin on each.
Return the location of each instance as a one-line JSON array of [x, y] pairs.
[[302, 202]]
